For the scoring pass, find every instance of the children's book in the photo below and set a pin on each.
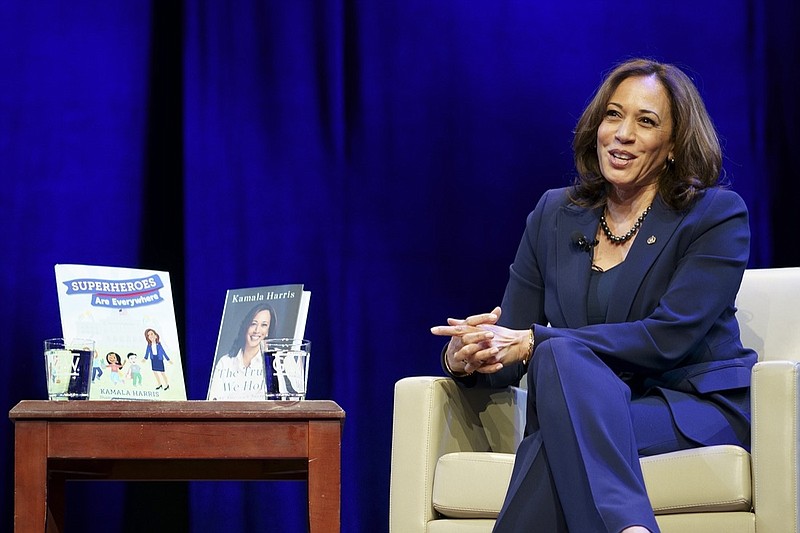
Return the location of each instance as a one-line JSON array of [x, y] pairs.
[[131, 317], [249, 317]]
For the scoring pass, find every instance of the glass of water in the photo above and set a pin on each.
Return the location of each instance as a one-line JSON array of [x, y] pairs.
[[68, 366], [286, 368]]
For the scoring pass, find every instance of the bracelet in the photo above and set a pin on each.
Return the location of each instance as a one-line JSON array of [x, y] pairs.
[[527, 358], [450, 370]]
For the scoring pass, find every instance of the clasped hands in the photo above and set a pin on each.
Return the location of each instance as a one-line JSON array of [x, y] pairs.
[[478, 344]]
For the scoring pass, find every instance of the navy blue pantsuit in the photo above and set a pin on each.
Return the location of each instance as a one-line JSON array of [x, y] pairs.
[[665, 371]]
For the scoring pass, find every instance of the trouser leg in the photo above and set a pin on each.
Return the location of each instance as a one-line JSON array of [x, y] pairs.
[[581, 412], [531, 489]]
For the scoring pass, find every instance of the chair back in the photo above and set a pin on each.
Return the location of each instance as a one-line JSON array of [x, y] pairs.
[[768, 310]]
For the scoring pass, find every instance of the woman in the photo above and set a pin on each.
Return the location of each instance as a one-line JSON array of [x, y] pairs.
[[157, 355], [239, 374], [620, 310]]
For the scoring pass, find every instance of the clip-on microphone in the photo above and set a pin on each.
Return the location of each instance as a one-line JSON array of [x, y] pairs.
[[582, 242]]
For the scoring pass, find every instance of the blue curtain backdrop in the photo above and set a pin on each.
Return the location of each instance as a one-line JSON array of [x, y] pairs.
[[384, 153]]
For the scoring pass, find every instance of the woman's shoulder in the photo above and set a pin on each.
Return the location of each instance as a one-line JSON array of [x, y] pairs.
[[557, 196], [719, 200], [551, 202], [553, 199]]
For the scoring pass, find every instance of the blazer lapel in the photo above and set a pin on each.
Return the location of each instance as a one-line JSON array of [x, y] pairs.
[[650, 241], [573, 264]]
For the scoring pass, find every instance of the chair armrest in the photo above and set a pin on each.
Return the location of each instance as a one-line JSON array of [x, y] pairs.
[[775, 445], [434, 416]]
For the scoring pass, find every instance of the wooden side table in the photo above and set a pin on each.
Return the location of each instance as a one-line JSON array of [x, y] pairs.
[[192, 440]]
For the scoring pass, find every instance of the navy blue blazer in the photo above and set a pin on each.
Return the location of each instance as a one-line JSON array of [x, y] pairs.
[[671, 318]]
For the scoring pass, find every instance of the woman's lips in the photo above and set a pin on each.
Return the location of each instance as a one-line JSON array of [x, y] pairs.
[[620, 159]]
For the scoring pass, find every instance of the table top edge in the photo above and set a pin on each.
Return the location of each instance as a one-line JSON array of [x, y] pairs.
[[187, 409]]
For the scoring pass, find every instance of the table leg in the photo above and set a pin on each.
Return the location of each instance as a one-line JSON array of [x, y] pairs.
[[324, 476], [30, 476], [55, 502]]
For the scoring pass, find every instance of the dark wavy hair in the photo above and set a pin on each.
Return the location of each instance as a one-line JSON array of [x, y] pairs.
[[697, 154], [238, 342]]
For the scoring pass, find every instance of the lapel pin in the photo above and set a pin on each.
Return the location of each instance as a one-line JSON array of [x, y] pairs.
[[651, 239]]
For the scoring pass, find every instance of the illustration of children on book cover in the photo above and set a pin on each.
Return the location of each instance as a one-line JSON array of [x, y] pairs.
[[250, 316], [130, 315]]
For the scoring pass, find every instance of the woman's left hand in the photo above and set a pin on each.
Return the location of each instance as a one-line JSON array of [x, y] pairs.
[[482, 345]]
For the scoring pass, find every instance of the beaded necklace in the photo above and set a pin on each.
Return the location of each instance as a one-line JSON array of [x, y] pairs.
[[619, 239]]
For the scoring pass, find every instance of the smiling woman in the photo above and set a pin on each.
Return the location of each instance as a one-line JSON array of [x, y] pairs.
[[634, 140], [244, 358], [645, 104], [634, 146], [646, 134], [614, 343]]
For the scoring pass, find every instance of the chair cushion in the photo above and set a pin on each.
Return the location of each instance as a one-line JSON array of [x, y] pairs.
[[471, 484], [711, 479]]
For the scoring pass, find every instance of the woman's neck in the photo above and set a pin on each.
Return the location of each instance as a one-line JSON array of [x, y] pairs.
[[622, 205]]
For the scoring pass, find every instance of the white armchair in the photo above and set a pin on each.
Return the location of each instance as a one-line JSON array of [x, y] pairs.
[[448, 441]]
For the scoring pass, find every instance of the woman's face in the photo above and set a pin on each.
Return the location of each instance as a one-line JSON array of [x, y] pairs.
[[151, 335], [634, 138], [258, 330]]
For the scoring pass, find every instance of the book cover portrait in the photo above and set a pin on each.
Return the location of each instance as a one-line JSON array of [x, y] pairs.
[[250, 316]]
